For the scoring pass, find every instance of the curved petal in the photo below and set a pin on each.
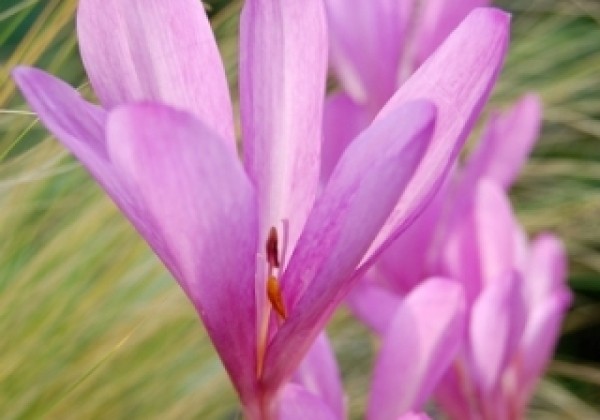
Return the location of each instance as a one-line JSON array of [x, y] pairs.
[[479, 246], [508, 139], [348, 214], [155, 50], [437, 19], [421, 342], [367, 41], [343, 120], [546, 272], [78, 125], [457, 78], [296, 403], [373, 305], [195, 192], [319, 374], [500, 305], [283, 59]]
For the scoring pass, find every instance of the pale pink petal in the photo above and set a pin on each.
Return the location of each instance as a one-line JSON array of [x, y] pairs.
[[343, 120], [362, 190], [420, 344], [546, 272], [283, 63], [318, 373], [496, 325], [414, 416], [367, 39], [479, 246], [297, 403], [506, 143], [406, 261], [78, 125], [155, 50], [437, 19], [458, 78], [539, 338], [194, 190], [373, 305]]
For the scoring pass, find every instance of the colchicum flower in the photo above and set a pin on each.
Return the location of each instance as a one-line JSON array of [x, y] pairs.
[[515, 292], [262, 251]]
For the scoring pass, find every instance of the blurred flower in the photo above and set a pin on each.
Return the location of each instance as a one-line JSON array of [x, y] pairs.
[[423, 337]]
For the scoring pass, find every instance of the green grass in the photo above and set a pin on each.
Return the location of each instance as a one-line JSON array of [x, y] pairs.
[[92, 325]]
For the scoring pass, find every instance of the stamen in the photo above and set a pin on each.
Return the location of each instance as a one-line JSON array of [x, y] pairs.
[[275, 297], [272, 249]]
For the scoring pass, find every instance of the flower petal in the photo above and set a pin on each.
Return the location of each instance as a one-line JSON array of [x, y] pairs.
[[457, 78], [319, 374], [437, 19], [479, 246], [341, 226], [421, 342], [296, 403], [508, 139], [367, 40], [343, 120], [194, 190], [547, 268], [283, 59], [77, 124], [155, 50], [500, 305], [373, 305]]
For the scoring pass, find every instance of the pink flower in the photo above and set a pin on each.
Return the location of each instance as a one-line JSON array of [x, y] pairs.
[[262, 252]]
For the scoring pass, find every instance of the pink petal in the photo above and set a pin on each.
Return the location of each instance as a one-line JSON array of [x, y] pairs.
[[155, 50], [406, 261], [546, 272], [78, 125], [283, 59], [508, 139], [296, 403], [414, 416], [194, 190], [458, 78], [420, 344], [373, 305], [479, 246], [497, 321], [343, 120], [362, 190], [367, 41], [539, 338], [437, 19], [319, 374]]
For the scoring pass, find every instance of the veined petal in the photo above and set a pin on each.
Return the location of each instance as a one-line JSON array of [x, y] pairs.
[[457, 78], [420, 344], [318, 373], [156, 50], [437, 19], [297, 403], [78, 125], [367, 39], [343, 120], [283, 59], [362, 190], [508, 139], [194, 190]]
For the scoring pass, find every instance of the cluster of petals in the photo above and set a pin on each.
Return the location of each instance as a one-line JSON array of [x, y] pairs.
[[464, 265], [347, 193]]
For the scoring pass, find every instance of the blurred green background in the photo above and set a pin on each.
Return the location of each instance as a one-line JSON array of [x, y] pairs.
[[91, 325]]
